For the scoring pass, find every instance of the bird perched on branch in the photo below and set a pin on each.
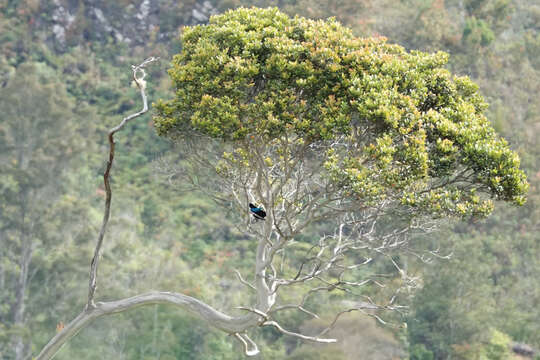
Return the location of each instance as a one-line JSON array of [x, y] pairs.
[[257, 212]]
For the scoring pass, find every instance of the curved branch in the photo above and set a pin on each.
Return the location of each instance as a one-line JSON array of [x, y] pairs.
[[224, 322]]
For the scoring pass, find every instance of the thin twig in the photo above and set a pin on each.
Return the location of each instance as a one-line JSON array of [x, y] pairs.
[[301, 336], [241, 279]]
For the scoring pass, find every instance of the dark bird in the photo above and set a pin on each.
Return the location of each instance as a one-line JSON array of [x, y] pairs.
[[257, 212]]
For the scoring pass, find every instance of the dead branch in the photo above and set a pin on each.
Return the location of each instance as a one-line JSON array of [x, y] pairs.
[[138, 76]]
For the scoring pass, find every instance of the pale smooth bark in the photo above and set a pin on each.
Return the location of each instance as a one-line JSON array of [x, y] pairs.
[[232, 325]]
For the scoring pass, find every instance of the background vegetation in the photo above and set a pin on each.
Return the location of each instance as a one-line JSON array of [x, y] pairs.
[[65, 79]]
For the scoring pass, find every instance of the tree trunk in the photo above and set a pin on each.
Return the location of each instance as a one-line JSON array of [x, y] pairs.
[[18, 309]]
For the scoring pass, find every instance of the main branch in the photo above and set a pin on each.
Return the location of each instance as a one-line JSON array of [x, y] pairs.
[[216, 318]]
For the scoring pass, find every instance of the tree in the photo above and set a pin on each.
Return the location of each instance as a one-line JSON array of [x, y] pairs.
[[319, 128], [462, 303], [37, 142]]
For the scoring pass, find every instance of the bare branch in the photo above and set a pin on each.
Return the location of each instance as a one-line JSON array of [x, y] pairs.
[[298, 307], [255, 311], [333, 323], [301, 336], [138, 76], [244, 339], [241, 279]]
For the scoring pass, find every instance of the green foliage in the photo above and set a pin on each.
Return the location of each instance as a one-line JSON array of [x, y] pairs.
[[466, 302], [258, 73], [430, 325], [496, 346], [419, 352], [40, 135], [477, 33]]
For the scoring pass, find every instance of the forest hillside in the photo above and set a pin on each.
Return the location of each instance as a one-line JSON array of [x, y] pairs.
[[65, 79]]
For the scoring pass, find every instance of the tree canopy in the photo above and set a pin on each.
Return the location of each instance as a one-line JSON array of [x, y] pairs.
[[390, 125]]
